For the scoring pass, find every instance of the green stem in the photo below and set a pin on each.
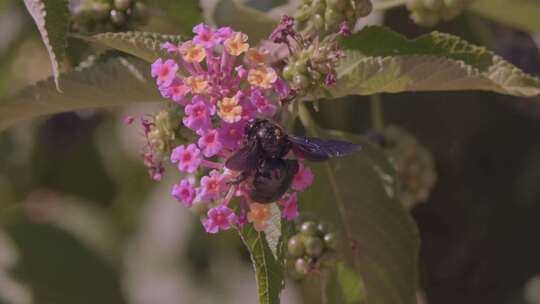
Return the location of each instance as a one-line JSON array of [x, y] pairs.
[[387, 4], [377, 115]]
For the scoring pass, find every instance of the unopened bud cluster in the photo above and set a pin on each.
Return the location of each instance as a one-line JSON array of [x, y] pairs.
[[160, 133], [327, 15], [431, 12], [109, 15], [311, 64], [311, 249], [414, 164]]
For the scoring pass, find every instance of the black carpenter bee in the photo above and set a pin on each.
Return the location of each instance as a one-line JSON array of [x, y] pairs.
[[261, 159]]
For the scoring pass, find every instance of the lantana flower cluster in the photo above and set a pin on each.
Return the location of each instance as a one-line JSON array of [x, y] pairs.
[[222, 83]]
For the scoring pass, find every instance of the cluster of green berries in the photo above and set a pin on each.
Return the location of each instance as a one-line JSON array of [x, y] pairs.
[[312, 67], [109, 15], [311, 249], [327, 15], [431, 12], [414, 165]]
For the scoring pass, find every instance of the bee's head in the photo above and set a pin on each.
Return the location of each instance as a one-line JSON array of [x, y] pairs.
[[270, 136]]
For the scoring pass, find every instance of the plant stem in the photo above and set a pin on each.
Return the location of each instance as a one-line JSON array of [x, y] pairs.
[[377, 115], [387, 4]]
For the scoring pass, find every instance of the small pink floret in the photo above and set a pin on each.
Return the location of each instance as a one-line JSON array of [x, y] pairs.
[[219, 218], [188, 158], [184, 192], [302, 179]]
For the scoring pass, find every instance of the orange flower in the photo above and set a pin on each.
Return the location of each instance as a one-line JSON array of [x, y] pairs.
[[192, 52], [197, 84], [262, 77], [237, 44], [257, 57], [259, 214], [229, 110]]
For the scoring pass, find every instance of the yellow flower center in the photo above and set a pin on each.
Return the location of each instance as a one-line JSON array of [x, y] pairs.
[[259, 215], [237, 44], [257, 57], [262, 77], [192, 52], [197, 84], [229, 110]]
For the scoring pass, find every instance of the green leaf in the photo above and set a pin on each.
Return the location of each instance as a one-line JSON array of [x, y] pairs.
[[52, 20], [146, 46], [113, 83], [350, 286], [380, 240], [522, 14], [268, 270], [379, 60], [256, 24]]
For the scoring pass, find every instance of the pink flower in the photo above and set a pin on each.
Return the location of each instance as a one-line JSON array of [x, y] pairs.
[[205, 36], [165, 72], [184, 192], [232, 135], [177, 91], [302, 179], [290, 206], [209, 143], [188, 158], [198, 114], [223, 33], [212, 186], [282, 88], [128, 120], [219, 218], [262, 103]]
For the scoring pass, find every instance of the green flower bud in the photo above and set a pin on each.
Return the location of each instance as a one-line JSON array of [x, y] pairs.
[[318, 6], [336, 4], [303, 13], [288, 72], [323, 228], [301, 267], [122, 5], [318, 21], [295, 246], [308, 228], [331, 240], [363, 8], [300, 81], [332, 17], [300, 66], [314, 246], [119, 18]]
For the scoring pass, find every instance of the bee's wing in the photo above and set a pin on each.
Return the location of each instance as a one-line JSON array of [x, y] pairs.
[[317, 149], [244, 159]]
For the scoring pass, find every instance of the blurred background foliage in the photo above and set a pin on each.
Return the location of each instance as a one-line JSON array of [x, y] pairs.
[[81, 222]]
